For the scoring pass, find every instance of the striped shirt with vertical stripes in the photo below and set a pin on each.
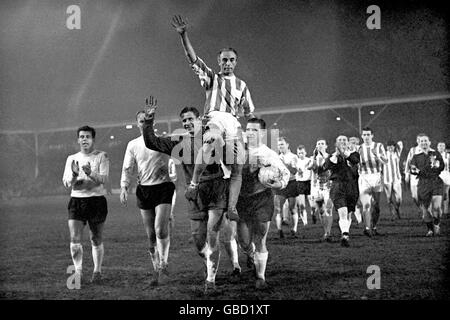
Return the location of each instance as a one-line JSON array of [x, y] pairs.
[[391, 169], [370, 164], [223, 93]]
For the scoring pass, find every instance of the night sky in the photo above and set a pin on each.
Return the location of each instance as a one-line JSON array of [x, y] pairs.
[[290, 53]]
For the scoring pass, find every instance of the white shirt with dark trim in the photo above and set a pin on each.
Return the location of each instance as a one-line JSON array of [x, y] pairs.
[[152, 167], [85, 186]]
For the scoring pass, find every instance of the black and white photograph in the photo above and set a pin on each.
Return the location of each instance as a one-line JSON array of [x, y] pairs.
[[224, 155]]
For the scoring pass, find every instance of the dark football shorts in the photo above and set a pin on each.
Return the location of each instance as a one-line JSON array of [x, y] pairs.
[[344, 194], [149, 197], [258, 207], [91, 209], [212, 195], [427, 188], [304, 187], [291, 190]]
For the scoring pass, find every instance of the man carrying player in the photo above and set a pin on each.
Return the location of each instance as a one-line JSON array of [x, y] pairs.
[[206, 208], [154, 193], [427, 165], [392, 179], [290, 192], [344, 186], [373, 157], [256, 201], [86, 173], [226, 97]]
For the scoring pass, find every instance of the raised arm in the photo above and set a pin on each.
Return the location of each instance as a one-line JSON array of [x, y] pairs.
[[181, 27], [160, 144]]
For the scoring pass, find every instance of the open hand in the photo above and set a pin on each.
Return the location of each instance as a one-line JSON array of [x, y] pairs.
[[179, 24], [87, 169], [75, 168], [150, 107]]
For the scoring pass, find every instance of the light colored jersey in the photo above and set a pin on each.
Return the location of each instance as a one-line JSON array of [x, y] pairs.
[[223, 93], [152, 167], [391, 169], [259, 157], [290, 161], [369, 163], [303, 173], [87, 186]]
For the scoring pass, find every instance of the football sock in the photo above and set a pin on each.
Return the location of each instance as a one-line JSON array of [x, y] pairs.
[[212, 264], [76, 251], [260, 264], [295, 221], [162, 246], [278, 221], [232, 250], [97, 256]]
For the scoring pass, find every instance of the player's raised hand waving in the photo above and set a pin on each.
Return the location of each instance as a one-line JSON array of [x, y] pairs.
[[179, 24], [150, 107]]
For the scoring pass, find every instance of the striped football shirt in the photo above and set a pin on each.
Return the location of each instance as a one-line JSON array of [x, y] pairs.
[[223, 93], [370, 164], [391, 169]]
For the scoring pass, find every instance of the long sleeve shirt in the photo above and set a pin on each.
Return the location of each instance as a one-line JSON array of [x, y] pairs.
[[84, 186], [184, 148], [342, 169], [152, 167], [261, 156], [430, 164]]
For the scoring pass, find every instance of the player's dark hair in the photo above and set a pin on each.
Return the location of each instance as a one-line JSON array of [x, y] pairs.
[[190, 109], [321, 138], [261, 122], [420, 135], [366, 129], [300, 147], [391, 143], [88, 129], [284, 139], [227, 49]]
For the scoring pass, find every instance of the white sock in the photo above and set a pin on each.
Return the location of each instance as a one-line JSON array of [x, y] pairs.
[[97, 256], [232, 249], [278, 221], [154, 257], [212, 264], [76, 251], [305, 217], [260, 264], [162, 246], [295, 221], [358, 215]]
